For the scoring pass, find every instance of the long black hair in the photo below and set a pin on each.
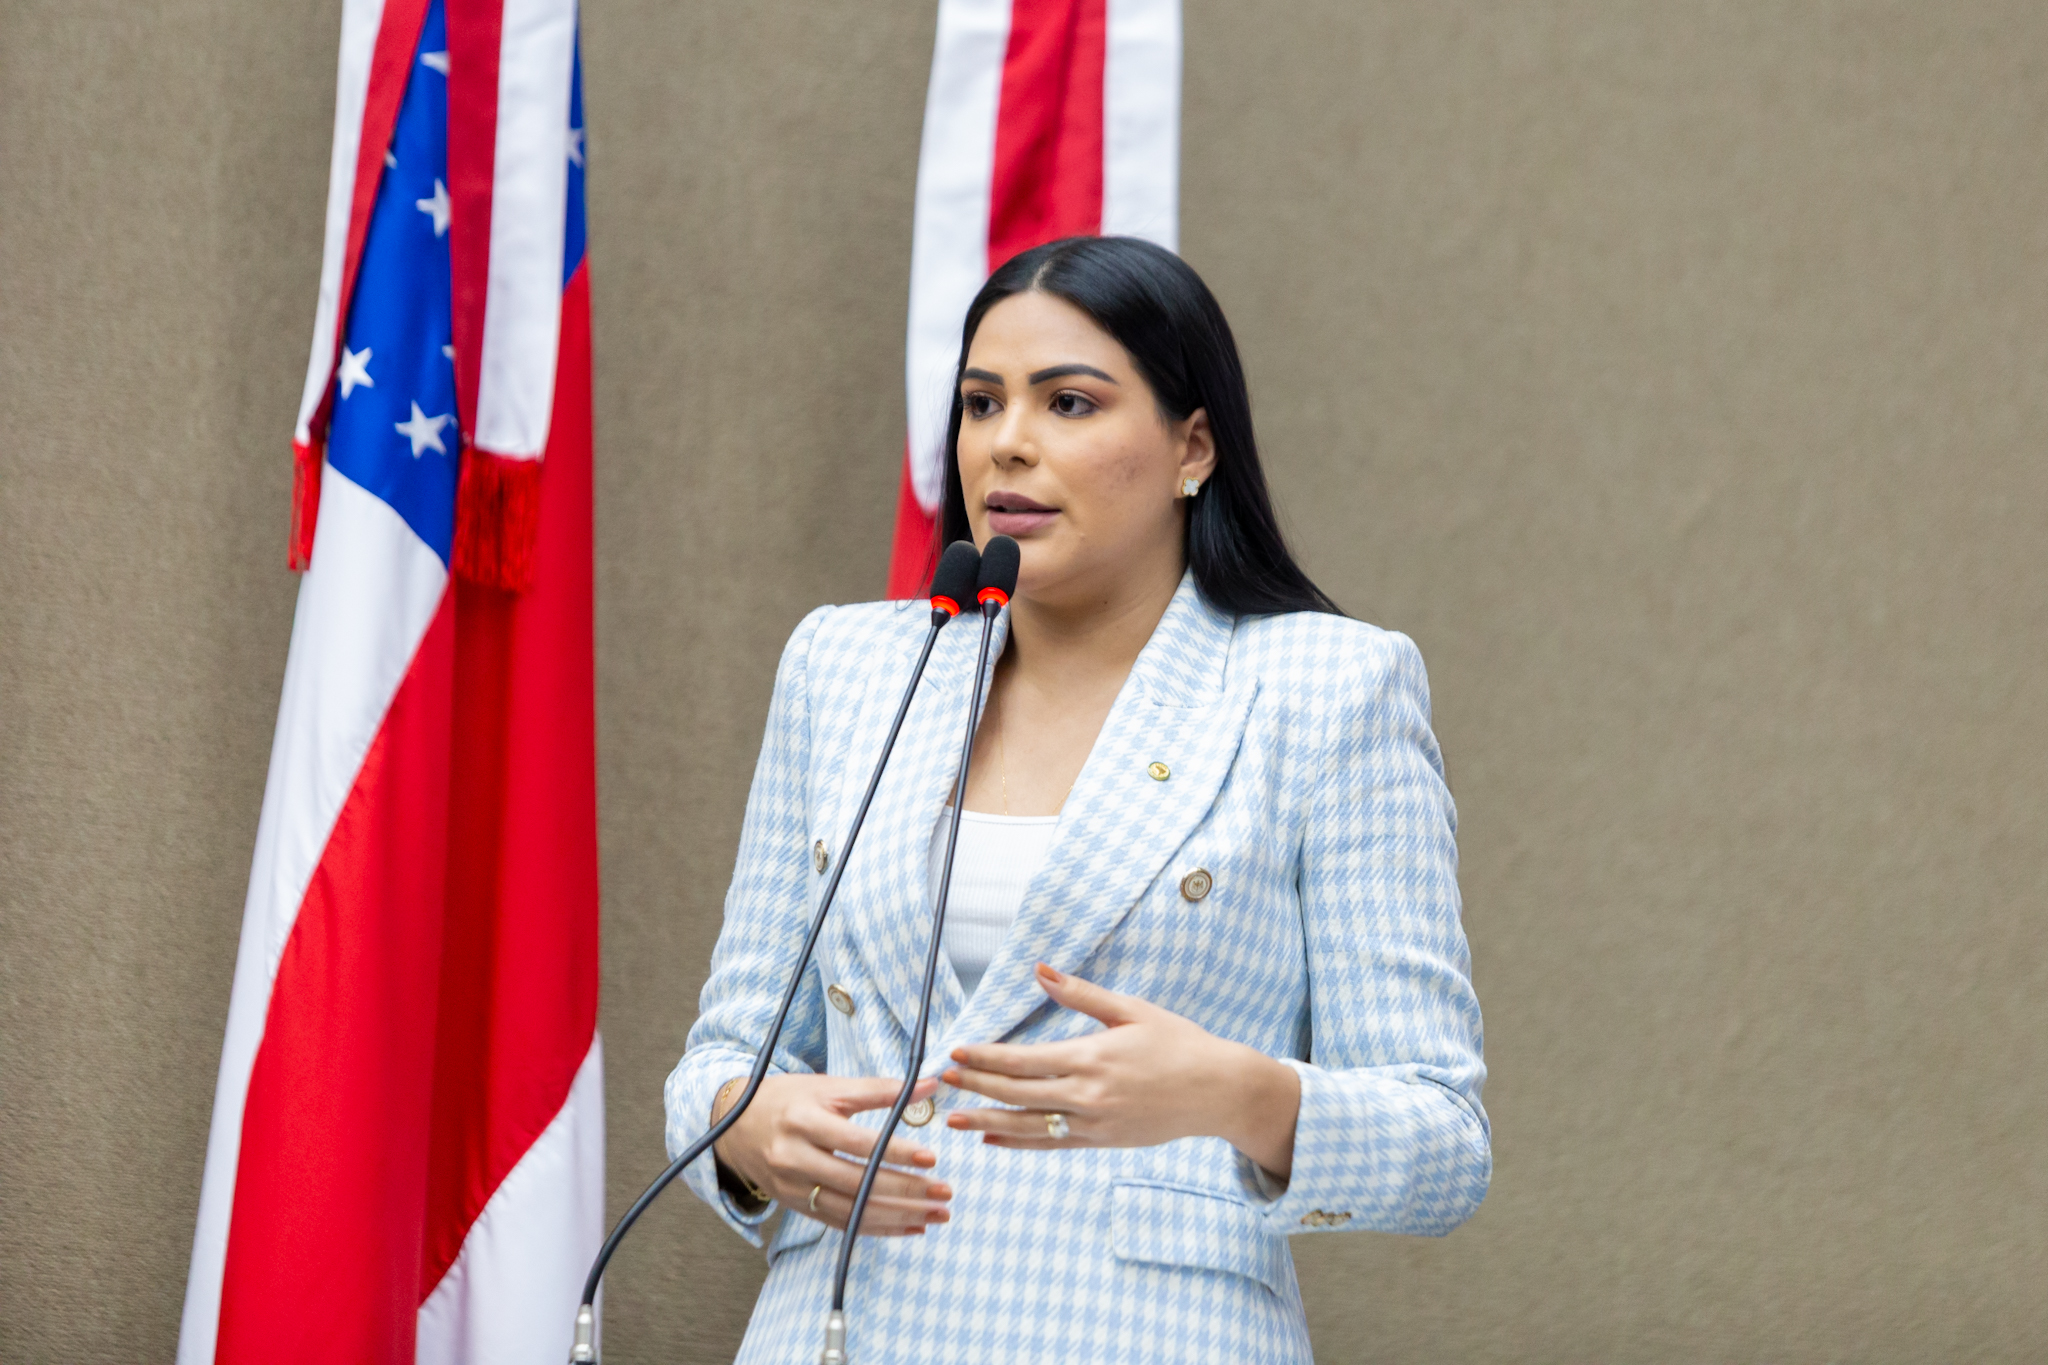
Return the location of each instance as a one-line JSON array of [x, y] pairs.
[[1166, 319]]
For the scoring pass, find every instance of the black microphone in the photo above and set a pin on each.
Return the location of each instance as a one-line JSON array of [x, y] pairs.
[[953, 582], [997, 579]]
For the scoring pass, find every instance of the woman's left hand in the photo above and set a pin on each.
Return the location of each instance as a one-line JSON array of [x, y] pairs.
[[1149, 1077]]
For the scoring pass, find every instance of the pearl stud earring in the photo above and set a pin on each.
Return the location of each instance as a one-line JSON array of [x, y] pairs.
[[1190, 487]]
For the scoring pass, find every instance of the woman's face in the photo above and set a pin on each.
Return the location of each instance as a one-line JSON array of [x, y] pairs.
[[1063, 447]]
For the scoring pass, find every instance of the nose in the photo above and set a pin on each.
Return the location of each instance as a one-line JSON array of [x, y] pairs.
[[1012, 444]]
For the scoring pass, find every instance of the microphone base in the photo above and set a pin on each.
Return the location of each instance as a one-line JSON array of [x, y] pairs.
[[835, 1339], [585, 1349]]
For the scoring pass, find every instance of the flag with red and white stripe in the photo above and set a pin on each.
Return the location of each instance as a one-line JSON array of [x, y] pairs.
[[407, 1152], [1044, 119]]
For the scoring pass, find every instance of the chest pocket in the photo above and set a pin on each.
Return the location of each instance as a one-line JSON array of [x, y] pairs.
[[1173, 1225]]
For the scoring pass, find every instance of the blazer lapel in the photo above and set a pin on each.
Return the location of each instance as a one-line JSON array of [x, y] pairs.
[[884, 912], [1121, 823]]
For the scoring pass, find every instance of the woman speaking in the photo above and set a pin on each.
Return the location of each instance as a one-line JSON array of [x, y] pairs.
[[1203, 984]]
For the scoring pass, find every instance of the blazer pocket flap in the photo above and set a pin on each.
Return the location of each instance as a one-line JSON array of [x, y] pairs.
[[1174, 1225], [797, 1230]]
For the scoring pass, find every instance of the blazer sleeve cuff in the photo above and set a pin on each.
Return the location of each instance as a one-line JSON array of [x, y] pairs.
[[1374, 1150], [687, 1100]]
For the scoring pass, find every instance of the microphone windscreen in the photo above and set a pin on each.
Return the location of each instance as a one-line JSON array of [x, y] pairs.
[[954, 580], [998, 567]]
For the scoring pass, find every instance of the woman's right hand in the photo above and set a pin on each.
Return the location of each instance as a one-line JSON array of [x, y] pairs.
[[790, 1139]]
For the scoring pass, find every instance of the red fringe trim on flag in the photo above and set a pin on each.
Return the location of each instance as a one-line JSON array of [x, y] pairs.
[[914, 554], [497, 520], [306, 462]]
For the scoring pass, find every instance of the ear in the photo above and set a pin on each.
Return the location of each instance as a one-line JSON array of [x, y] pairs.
[[1198, 447]]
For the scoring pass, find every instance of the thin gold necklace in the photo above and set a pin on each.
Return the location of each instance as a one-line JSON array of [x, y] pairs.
[[1003, 757]]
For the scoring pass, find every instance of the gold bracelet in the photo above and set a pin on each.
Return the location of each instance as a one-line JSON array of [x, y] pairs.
[[760, 1195]]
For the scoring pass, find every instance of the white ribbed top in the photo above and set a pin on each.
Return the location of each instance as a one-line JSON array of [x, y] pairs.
[[992, 865]]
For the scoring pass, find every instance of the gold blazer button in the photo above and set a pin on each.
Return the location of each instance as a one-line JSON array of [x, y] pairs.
[[919, 1114], [1160, 772], [820, 859], [1196, 884], [841, 1001]]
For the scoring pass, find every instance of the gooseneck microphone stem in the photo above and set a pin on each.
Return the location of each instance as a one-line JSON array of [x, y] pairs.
[[835, 1331], [584, 1349]]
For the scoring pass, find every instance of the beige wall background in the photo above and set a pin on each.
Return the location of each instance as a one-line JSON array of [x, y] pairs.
[[1675, 374]]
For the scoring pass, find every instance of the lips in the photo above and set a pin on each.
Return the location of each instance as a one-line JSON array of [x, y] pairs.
[[1013, 514]]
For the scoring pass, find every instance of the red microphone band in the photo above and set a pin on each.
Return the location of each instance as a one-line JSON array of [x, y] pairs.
[[941, 602], [995, 595]]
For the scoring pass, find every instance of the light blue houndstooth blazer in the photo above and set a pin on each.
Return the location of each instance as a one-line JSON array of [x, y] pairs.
[[1305, 779]]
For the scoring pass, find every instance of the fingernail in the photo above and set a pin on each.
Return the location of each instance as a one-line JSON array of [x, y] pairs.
[[1049, 974], [939, 1191], [951, 1077], [917, 1231]]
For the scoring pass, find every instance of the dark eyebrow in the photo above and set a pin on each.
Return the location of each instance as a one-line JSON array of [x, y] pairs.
[[1038, 377]]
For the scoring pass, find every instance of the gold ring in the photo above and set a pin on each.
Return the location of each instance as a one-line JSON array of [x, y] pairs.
[[814, 1197], [1056, 1126]]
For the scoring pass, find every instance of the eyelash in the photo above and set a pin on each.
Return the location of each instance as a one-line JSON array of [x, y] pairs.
[[979, 405], [1088, 404]]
